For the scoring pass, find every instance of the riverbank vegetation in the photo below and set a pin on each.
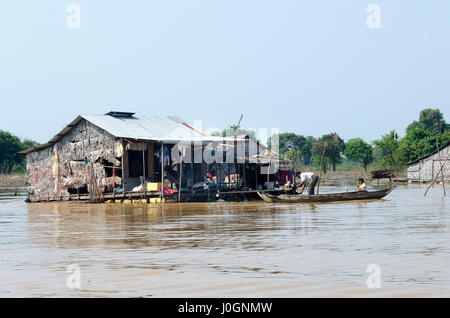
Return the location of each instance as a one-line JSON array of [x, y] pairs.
[[390, 151], [422, 137], [10, 145]]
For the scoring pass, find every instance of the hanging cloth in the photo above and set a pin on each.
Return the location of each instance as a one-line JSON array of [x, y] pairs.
[[166, 156]]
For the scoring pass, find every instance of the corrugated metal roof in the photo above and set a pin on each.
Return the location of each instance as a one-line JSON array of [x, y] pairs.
[[158, 128], [169, 129]]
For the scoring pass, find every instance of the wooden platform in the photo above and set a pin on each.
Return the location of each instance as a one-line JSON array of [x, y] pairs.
[[198, 195]]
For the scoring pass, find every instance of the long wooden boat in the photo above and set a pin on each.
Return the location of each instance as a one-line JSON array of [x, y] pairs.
[[326, 197]]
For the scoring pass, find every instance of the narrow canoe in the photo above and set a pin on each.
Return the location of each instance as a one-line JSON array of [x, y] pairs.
[[326, 197]]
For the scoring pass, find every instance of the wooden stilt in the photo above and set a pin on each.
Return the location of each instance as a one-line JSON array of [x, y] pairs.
[[114, 181], [192, 169], [181, 178], [256, 176], [442, 172], [256, 165], [123, 170], [144, 183], [245, 176], [437, 175], [321, 161], [162, 171]]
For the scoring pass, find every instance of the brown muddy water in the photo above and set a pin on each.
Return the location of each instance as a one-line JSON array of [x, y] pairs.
[[248, 249]]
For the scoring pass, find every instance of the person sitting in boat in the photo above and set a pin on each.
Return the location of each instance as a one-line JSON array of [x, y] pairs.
[[361, 186], [307, 180]]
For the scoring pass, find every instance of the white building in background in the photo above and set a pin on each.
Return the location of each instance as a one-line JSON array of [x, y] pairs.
[[425, 169]]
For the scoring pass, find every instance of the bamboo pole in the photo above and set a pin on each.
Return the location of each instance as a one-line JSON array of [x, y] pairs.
[[257, 161], [246, 146], [181, 178], [245, 176], [144, 183], [256, 176], [192, 168], [442, 172], [114, 181], [437, 175], [162, 170], [321, 161], [123, 172], [236, 165]]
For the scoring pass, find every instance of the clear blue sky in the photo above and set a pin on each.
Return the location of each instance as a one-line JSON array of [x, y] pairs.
[[310, 67]]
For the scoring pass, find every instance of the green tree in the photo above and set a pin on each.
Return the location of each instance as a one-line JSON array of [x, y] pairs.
[[421, 135], [295, 156], [233, 131], [358, 150], [290, 142], [432, 120], [388, 147], [10, 145], [328, 149]]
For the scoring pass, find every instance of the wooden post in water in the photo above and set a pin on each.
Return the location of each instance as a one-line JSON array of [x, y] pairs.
[[192, 168], [442, 171], [256, 176], [123, 170], [181, 178], [321, 161], [144, 183], [257, 161], [437, 175], [236, 165], [162, 170], [245, 176], [114, 181], [245, 164]]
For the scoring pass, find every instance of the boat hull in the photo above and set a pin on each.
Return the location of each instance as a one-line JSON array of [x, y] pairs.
[[326, 197]]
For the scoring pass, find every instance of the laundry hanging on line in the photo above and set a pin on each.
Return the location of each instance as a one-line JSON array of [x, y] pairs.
[[166, 156]]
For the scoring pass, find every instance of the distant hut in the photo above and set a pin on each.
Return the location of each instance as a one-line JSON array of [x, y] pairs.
[[425, 169]]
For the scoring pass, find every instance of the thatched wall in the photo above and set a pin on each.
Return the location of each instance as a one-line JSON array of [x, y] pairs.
[[76, 162]]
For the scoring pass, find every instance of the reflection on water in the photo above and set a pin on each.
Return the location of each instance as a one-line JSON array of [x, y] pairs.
[[227, 249]]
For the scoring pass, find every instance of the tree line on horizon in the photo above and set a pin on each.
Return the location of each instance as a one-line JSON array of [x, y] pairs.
[[10, 145], [422, 137]]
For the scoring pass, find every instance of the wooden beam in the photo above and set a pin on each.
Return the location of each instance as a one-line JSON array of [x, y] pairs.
[[143, 171], [151, 159], [123, 170], [437, 175], [181, 178], [162, 170], [192, 168], [442, 172]]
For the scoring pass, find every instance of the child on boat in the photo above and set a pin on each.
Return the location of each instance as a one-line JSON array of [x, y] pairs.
[[361, 186]]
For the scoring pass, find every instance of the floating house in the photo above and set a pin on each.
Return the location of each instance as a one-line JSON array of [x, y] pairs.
[[122, 156], [425, 169]]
